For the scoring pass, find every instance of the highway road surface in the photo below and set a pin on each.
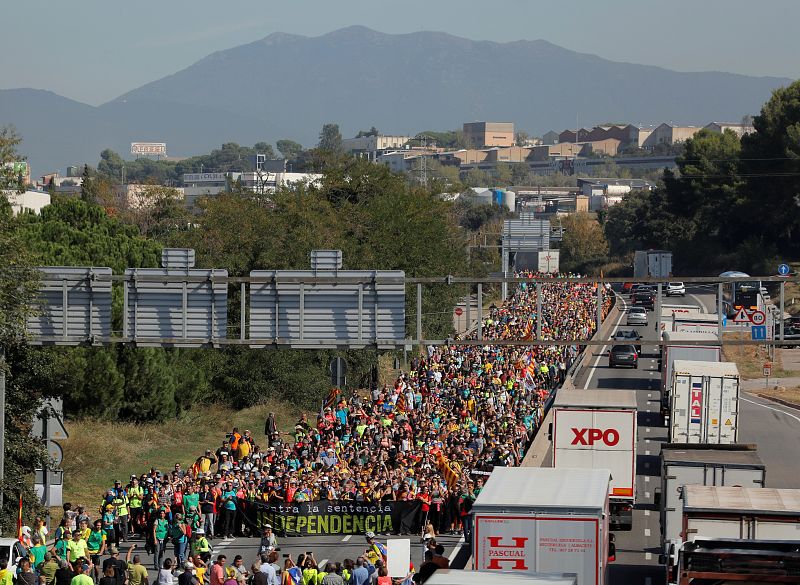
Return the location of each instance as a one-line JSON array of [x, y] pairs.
[[774, 428]]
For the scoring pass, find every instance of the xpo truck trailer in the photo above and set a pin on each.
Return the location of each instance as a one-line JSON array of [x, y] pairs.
[[543, 520], [596, 429], [683, 346], [704, 402], [738, 531], [709, 465]]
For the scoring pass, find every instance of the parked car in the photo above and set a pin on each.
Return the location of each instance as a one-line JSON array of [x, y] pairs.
[[790, 333], [623, 355], [644, 298], [636, 316], [676, 289], [629, 336]]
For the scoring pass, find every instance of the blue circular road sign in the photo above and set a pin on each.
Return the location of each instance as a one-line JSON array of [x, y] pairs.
[[784, 269]]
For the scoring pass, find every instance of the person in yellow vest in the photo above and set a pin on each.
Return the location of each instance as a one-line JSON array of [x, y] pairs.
[[136, 499], [200, 544]]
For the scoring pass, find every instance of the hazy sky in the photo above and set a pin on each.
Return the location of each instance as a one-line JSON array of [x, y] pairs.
[[94, 50]]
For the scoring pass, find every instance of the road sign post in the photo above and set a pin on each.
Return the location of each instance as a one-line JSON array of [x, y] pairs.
[[767, 372], [758, 332], [338, 369], [758, 318]]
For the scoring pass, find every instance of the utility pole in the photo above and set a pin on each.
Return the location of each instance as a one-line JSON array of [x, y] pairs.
[[2, 423]]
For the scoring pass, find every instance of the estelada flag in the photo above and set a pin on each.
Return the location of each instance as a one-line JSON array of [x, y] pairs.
[[330, 401], [447, 469], [401, 402]]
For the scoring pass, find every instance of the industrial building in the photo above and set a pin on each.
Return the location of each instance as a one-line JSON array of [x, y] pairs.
[[487, 134], [372, 147]]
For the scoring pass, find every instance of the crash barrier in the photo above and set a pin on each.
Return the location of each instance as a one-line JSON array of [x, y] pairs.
[[324, 517], [537, 451]]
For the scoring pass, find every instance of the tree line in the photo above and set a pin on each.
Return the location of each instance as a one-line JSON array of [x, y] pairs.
[[732, 203]]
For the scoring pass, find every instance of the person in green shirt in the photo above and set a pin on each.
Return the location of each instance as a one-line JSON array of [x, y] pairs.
[[37, 551], [138, 574], [83, 577], [96, 544], [160, 531], [48, 569], [191, 499]]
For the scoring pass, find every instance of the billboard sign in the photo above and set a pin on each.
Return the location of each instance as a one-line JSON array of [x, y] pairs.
[[149, 148]]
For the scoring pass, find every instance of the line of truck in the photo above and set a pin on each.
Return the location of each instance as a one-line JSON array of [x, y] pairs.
[[719, 520]]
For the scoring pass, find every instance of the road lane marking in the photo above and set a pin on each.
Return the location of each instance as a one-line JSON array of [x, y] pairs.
[[647, 512], [648, 556], [603, 349], [647, 430], [456, 549], [772, 408], [647, 440], [647, 452], [701, 303], [646, 533], [646, 495], [346, 538], [647, 479]]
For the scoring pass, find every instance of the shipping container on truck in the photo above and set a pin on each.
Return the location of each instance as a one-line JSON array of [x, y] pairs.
[[596, 429], [715, 465], [746, 515], [544, 520], [682, 346], [655, 263], [466, 577], [730, 561], [704, 402], [697, 323]]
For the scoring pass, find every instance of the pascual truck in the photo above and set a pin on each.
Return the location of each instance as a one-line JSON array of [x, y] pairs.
[[596, 429], [709, 465], [738, 531], [543, 520], [683, 346], [704, 402]]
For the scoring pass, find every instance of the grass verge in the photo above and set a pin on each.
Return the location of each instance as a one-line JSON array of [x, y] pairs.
[[790, 395], [750, 359], [98, 452]]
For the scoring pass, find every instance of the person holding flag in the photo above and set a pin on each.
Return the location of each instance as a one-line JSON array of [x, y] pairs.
[[375, 550]]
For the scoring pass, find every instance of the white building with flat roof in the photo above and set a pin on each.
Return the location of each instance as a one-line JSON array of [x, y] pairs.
[[27, 201]]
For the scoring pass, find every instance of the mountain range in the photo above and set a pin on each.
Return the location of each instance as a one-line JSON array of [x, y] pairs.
[[288, 86]]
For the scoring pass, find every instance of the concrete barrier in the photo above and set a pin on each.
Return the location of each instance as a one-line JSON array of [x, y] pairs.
[[537, 452]]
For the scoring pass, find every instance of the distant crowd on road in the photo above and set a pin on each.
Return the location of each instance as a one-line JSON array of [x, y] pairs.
[[432, 435]]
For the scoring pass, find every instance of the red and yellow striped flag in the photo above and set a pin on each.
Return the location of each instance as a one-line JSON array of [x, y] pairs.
[[449, 469], [330, 401], [19, 519]]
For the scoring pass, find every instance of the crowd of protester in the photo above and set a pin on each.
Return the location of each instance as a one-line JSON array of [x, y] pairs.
[[433, 436]]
